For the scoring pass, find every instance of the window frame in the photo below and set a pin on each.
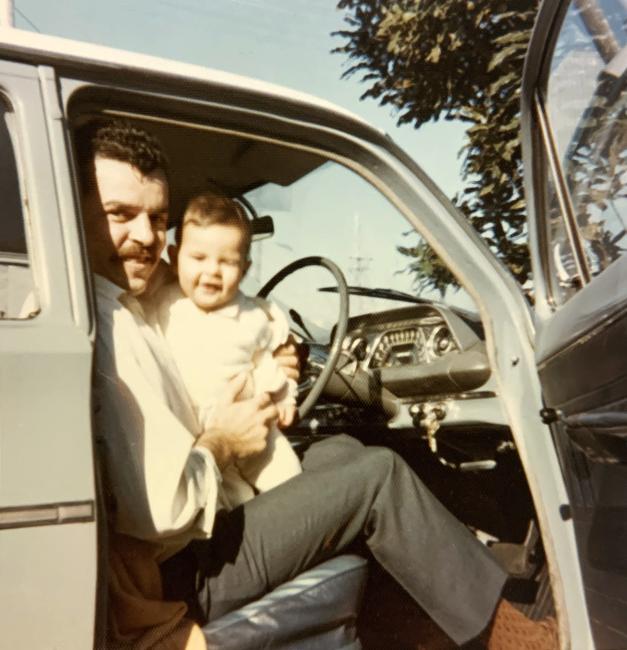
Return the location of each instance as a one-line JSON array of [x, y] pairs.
[[547, 164], [13, 130]]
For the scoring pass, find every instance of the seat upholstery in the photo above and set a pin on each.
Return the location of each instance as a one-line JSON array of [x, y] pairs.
[[317, 610]]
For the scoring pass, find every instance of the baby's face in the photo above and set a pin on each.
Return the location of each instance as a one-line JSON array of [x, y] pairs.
[[211, 263]]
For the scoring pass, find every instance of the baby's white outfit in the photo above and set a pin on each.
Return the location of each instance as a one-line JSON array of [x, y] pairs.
[[210, 348]]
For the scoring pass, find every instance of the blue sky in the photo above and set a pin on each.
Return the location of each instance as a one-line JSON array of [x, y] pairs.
[[287, 42]]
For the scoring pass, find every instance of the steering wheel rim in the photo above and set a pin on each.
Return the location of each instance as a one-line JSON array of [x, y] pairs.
[[340, 328]]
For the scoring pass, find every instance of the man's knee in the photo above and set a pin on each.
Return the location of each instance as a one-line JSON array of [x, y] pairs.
[[330, 451], [378, 461], [357, 462]]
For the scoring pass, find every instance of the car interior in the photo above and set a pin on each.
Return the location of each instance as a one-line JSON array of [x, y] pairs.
[[390, 360], [488, 401]]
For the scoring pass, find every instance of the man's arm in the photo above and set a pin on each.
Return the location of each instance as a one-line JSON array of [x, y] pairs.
[[159, 481]]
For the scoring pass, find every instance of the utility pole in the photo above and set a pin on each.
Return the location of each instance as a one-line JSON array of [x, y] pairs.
[[361, 264], [6, 16]]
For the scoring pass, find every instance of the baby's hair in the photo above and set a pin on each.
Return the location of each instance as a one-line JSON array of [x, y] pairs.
[[208, 208]]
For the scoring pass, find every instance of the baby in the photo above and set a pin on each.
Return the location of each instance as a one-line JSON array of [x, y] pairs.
[[216, 332]]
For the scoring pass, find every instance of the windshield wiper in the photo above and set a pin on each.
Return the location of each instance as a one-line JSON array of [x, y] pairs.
[[389, 294]]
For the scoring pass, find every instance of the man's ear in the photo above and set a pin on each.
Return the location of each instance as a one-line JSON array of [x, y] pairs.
[[245, 267], [173, 254]]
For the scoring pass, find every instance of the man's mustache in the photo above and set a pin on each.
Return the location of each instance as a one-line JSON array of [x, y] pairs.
[[139, 253]]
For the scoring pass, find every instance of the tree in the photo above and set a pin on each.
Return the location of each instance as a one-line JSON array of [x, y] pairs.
[[463, 60]]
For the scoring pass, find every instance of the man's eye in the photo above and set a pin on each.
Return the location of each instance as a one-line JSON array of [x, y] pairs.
[[159, 220], [118, 217], [231, 262]]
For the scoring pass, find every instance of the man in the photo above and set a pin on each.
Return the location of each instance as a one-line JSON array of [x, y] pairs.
[[164, 472]]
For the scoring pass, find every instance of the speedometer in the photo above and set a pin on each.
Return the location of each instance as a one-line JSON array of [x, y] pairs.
[[402, 347]]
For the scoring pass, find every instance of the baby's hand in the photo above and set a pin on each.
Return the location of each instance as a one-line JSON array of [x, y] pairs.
[[287, 412]]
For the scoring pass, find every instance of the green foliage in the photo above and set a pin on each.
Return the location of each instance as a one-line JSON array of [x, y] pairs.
[[596, 167], [454, 59]]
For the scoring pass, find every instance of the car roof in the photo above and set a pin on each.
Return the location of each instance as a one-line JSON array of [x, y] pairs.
[[39, 48], [234, 173]]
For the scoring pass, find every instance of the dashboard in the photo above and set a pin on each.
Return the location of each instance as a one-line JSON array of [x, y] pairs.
[[408, 336], [424, 354]]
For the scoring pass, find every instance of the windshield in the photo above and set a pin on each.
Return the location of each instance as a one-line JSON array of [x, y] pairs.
[[335, 213]]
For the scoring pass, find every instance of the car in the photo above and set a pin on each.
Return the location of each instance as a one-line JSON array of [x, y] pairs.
[[514, 414]]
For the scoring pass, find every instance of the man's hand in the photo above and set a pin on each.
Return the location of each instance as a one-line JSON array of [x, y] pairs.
[[239, 429], [287, 356]]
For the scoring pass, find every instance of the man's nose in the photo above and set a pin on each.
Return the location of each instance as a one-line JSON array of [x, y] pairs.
[[141, 230]]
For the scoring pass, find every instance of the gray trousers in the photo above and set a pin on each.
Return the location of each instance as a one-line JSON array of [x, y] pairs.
[[347, 493]]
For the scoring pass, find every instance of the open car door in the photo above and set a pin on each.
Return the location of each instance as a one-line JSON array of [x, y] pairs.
[[575, 148]]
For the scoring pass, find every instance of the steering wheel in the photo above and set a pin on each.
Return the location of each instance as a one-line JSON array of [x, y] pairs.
[[340, 328]]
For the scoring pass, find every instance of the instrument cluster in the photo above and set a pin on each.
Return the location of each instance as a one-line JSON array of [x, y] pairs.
[[411, 345], [403, 343]]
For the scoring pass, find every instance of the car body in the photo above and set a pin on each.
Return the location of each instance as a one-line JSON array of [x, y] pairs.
[[541, 391]]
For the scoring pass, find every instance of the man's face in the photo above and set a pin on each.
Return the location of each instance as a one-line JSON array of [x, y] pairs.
[[126, 215], [211, 262]]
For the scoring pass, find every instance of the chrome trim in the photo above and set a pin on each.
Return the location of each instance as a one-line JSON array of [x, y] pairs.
[[52, 514], [448, 397], [562, 194]]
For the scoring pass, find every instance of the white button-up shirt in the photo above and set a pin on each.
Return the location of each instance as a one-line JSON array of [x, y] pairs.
[[164, 488]]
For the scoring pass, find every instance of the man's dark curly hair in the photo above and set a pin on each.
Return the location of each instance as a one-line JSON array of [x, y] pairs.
[[119, 140]]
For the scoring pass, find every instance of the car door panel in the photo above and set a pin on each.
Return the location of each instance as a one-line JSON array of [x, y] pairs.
[[597, 498], [584, 312], [44, 560], [47, 497], [582, 368]]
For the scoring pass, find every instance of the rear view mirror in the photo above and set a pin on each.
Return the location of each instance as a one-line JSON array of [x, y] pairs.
[[262, 227]]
